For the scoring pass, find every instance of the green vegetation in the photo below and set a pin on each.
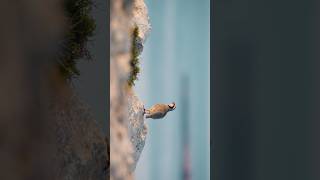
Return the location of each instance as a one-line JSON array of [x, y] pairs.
[[134, 62], [80, 27]]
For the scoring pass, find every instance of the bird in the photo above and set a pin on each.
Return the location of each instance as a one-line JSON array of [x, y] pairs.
[[158, 111]]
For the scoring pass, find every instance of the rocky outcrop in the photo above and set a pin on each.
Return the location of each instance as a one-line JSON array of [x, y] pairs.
[[47, 132], [137, 127], [127, 128], [64, 141], [120, 146], [81, 150]]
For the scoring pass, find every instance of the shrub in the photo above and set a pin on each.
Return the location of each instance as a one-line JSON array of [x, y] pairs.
[[80, 27], [134, 62]]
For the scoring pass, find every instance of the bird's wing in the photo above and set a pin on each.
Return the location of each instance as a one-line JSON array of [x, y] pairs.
[[158, 107]]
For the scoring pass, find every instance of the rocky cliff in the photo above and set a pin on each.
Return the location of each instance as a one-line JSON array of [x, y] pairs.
[[47, 132], [81, 150], [127, 128]]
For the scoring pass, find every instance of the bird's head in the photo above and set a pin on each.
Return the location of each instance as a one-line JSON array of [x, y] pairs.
[[172, 106]]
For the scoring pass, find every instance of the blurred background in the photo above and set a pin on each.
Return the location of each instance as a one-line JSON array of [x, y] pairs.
[[175, 67], [92, 84], [266, 90]]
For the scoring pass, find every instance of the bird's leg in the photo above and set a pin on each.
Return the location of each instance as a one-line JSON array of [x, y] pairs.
[[144, 110]]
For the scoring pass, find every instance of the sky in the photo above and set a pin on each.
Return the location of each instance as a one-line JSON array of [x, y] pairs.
[[178, 46]]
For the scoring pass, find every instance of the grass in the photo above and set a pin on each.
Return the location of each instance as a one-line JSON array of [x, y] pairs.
[[80, 28], [134, 62]]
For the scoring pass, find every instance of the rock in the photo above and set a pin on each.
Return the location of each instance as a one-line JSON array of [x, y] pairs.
[[121, 150], [137, 127], [141, 19], [127, 128], [47, 132], [81, 150]]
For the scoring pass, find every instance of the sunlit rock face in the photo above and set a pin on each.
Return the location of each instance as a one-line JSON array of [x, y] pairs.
[[137, 127], [120, 146], [127, 128]]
